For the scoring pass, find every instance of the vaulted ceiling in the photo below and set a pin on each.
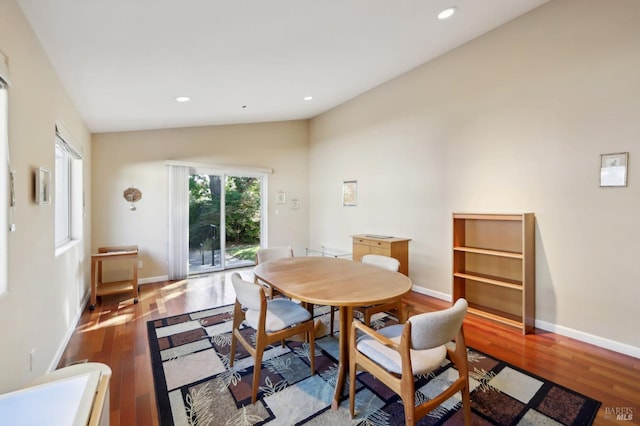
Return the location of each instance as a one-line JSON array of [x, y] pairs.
[[124, 62]]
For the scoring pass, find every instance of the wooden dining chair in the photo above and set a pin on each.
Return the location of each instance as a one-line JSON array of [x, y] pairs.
[[395, 354], [267, 254], [273, 253], [274, 320], [367, 312], [390, 264]]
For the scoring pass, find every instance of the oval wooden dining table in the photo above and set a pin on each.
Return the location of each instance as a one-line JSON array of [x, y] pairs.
[[334, 282]]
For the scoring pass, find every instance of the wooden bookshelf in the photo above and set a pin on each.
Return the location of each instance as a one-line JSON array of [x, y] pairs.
[[494, 266]]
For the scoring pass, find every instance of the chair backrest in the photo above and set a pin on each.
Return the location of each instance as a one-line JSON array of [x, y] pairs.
[[433, 329], [248, 294], [271, 253], [386, 262]]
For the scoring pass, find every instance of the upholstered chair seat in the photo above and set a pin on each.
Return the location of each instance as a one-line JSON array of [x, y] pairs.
[[281, 313], [422, 361]]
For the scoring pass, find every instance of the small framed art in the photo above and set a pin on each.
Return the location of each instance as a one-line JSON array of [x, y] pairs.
[[350, 193], [43, 186], [613, 169], [281, 197]]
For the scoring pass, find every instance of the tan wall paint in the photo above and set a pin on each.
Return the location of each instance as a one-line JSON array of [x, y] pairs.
[[45, 292], [139, 159], [513, 121]]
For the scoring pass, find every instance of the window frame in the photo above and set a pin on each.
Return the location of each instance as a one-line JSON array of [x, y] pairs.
[[62, 195], [7, 196], [68, 203]]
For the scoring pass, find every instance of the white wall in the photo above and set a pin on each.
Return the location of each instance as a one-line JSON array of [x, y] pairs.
[[139, 159], [45, 292], [514, 121]]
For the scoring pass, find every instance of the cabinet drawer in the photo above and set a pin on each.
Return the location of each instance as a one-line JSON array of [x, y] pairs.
[[372, 243]]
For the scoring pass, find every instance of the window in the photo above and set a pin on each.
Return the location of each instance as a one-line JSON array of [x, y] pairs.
[[68, 191], [4, 185], [7, 196], [62, 195]]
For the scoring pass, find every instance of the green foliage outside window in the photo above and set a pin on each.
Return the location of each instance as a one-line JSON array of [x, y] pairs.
[[242, 202]]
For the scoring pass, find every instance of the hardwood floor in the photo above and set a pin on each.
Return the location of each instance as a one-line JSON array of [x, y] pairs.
[[115, 333]]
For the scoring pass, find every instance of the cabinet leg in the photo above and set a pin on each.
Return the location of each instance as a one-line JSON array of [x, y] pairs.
[[92, 307]]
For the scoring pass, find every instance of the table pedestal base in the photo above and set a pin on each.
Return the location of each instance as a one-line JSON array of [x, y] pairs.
[[346, 316]]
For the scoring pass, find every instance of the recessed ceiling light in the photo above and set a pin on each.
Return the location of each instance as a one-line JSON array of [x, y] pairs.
[[308, 98], [183, 99], [447, 13]]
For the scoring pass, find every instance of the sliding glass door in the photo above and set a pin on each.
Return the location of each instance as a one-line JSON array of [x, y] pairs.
[[225, 220], [205, 218]]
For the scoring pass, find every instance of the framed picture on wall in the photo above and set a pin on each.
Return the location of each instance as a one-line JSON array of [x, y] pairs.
[[43, 186], [350, 193], [613, 169]]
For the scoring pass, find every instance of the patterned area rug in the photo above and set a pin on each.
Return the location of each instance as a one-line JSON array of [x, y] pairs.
[[195, 386]]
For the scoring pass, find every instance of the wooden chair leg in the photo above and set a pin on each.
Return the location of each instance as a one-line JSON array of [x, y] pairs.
[[402, 318], [367, 318], [409, 409], [312, 348], [238, 317], [333, 317], [408, 416], [310, 307], [466, 404], [352, 382], [232, 354], [257, 367], [459, 358]]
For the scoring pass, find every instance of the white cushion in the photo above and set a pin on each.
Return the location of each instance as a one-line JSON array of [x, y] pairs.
[[281, 313], [267, 254], [385, 262], [422, 361]]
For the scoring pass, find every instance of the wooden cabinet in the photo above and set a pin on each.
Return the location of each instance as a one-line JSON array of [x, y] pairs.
[[397, 248], [494, 266]]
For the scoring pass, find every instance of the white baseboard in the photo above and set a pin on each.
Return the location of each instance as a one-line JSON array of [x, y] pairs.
[[67, 336], [432, 293], [602, 342], [76, 319], [150, 280]]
